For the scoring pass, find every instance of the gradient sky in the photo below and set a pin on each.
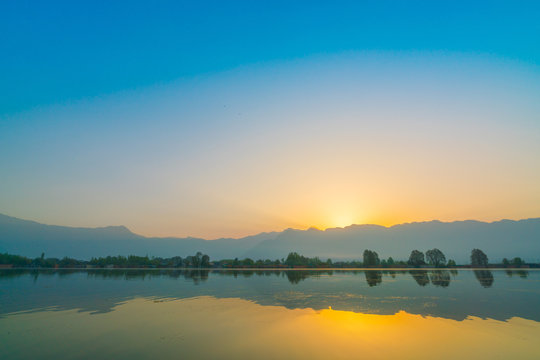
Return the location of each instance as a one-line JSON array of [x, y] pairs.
[[231, 118]]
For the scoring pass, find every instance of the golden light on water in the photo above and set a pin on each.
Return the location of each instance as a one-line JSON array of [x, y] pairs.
[[238, 328]]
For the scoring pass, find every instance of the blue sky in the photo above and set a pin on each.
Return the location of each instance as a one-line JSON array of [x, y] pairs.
[[230, 118], [59, 51]]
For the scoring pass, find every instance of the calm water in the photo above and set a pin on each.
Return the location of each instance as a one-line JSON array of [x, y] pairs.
[[269, 314]]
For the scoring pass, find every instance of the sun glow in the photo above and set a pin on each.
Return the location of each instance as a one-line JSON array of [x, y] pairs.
[[335, 210], [342, 220]]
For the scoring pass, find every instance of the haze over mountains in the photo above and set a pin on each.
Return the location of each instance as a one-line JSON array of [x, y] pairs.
[[505, 238]]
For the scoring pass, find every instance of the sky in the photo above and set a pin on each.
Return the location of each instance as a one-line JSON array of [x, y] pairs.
[[225, 119]]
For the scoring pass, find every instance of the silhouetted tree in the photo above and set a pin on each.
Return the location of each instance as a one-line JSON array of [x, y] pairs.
[[196, 260], [505, 262], [295, 259], [329, 262], [435, 257], [248, 262], [15, 260], [371, 258], [478, 258], [176, 261], [451, 263], [517, 261], [416, 258], [205, 261]]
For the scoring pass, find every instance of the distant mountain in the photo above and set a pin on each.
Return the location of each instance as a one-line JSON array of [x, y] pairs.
[[505, 238], [30, 238]]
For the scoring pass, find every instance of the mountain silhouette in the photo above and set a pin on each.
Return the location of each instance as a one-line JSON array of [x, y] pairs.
[[505, 238]]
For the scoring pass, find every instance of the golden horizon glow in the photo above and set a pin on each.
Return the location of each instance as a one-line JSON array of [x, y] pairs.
[[325, 142], [390, 223]]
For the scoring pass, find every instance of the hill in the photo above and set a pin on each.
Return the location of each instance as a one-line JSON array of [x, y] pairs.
[[505, 238]]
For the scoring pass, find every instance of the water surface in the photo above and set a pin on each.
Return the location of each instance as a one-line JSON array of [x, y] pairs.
[[66, 314]]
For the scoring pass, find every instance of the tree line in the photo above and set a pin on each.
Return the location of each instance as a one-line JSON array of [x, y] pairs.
[[432, 258], [198, 260]]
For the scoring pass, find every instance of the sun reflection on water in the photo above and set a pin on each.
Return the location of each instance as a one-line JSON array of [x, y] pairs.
[[237, 328]]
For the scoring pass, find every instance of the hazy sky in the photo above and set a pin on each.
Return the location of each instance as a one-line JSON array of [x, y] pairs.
[[228, 119]]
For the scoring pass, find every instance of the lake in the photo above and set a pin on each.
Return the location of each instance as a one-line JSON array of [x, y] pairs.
[[268, 314]]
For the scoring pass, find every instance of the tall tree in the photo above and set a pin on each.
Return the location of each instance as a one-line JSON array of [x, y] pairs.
[[197, 259], [517, 261], [416, 258], [435, 257], [205, 261], [371, 258], [478, 258]]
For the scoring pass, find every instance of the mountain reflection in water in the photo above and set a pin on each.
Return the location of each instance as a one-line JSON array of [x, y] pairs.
[[240, 329], [452, 294]]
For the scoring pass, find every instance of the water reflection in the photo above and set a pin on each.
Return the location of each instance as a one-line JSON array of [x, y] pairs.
[[420, 276], [296, 276], [437, 277], [194, 275], [373, 277], [429, 292], [236, 329], [521, 273], [485, 277], [440, 278]]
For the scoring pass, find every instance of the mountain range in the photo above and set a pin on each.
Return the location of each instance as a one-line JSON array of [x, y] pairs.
[[504, 238]]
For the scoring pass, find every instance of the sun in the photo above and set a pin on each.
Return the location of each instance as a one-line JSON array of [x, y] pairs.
[[342, 220], [340, 212]]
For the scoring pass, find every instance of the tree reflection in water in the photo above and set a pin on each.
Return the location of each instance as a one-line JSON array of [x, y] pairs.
[[485, 277], [437, 277], [373, 277], [420, 276], [521, 273], [440, 278], [295, 277]]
